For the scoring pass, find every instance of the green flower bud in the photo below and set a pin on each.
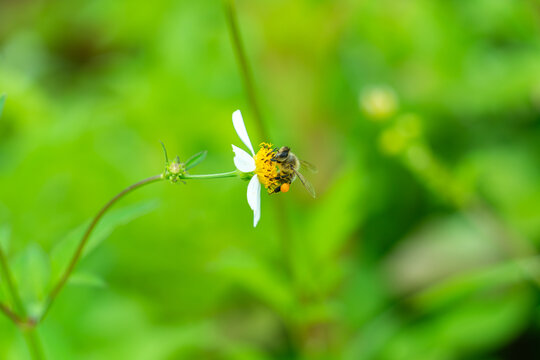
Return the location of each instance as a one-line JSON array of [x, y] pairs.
[[174, 170]]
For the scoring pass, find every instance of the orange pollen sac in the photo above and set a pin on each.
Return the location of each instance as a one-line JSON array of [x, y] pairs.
[[285, 187]]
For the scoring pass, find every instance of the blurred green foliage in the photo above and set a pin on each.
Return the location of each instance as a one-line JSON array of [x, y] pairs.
[[422, 117]]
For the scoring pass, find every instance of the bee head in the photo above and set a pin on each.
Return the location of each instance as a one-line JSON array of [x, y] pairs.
[[282, 154]]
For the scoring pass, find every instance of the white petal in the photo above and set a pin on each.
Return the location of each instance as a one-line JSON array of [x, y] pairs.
[[242, 160], [254, 198], [238, 123]]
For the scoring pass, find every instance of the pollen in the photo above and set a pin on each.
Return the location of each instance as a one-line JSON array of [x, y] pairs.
[[266, 169]]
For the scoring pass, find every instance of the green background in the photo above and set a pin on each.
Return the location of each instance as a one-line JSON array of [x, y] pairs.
[[422, 117]]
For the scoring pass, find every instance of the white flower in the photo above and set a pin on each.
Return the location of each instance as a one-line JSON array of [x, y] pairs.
[[261, 164], [246, 163]]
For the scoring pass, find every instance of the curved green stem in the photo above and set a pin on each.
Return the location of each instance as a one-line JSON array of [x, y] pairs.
[[212, 176], [78, 252], [28, 325]]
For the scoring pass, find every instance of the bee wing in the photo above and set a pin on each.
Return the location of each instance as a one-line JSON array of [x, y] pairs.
[[309, 166], [306, 184]]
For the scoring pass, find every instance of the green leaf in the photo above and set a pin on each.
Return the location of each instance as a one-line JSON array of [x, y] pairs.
[[257, 278], [117, 218], [476, 325], [343, 205], [2, 102], [164, 152], [445, 294], [32, 273], [373, 336], [64, 250], [196, 159], [86, 279], [447, 246], [483, 322]]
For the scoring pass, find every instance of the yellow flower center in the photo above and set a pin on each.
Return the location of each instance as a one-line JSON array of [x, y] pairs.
[[265, 168]]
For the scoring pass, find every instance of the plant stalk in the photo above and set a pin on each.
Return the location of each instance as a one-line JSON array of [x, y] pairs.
[[78, 252], [247, 77], [12, 288], [34, 344], [212, 176], [280, 208], [11, 315]]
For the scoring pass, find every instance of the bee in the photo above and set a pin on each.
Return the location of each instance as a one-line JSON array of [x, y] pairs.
[[289, 166]]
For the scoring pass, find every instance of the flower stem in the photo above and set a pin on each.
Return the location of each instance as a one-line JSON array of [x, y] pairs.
[[211, 176], [78, 252], [11, 315], [230, 12], [247, 77], [13, 291], [34, 343]]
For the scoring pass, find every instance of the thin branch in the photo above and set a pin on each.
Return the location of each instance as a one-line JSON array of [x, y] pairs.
[[11, 315], [14, 293], [247, 77], [34, 344], [281, 211], [79, 251], [280, 208]]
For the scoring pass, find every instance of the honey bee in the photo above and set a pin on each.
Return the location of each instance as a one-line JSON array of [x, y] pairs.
[[289, 166]]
